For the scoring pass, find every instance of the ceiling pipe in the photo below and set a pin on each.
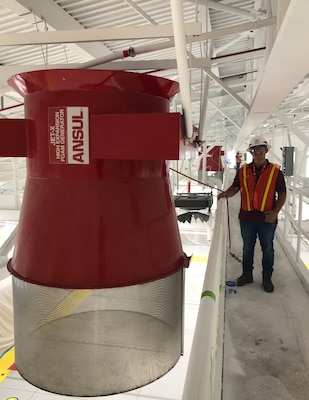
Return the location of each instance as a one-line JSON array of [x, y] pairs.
[[110, 57], [182, 63]]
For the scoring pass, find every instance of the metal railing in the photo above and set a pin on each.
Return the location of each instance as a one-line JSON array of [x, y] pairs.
[[293, 232]]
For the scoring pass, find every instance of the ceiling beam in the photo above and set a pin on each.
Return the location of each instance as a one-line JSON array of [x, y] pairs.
[[140, 64], [229, 9], [226, 88], [286, 66], [55, 18], [232, 30], [93, 35]]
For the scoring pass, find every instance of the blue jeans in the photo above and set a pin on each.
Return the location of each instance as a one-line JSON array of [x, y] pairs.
[[265, 232]]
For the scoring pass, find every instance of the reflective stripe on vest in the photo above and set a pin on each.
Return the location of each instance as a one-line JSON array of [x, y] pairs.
[[268, 186], [244, 169]]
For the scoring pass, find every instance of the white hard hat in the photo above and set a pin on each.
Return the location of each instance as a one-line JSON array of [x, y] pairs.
[[258, 141]]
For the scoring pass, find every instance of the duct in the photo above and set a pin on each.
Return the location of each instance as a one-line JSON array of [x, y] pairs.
[[182, 63]]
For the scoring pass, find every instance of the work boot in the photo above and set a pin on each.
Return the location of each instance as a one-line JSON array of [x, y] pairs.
[[267, 284], [245, 278]]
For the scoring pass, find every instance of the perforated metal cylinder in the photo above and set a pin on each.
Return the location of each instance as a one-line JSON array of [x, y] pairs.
[[102, 341]]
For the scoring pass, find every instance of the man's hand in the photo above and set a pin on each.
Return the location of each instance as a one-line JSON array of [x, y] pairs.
[[221, 195], [270, 217], [230, 192]]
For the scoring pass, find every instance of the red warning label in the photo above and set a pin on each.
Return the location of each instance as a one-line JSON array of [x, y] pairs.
[[68, 135]]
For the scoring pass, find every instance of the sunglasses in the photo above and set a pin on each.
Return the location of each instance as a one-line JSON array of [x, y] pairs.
[[257, 148]]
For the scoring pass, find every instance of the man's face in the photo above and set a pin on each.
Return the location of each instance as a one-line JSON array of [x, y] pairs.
[[258, 153]]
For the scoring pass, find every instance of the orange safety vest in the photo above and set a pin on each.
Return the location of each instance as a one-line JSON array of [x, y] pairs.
[[258, 195]]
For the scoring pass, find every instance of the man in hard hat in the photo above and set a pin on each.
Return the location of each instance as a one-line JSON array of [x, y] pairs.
[[238, 160], [263, 193]]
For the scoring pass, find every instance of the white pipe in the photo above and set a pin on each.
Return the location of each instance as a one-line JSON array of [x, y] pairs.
[[182, 63], [110, 57]]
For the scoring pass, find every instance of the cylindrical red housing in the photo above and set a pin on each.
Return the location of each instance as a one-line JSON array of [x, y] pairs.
[[92, 223]]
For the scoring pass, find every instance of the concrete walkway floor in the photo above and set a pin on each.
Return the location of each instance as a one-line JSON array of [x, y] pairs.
[[266, 343]]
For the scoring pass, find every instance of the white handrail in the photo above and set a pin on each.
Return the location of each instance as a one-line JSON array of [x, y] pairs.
[[203, 380]]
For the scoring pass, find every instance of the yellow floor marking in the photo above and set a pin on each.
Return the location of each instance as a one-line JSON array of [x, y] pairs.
[[6, 361], [199, 259], [68, 305], [307, 265], [74, 299]]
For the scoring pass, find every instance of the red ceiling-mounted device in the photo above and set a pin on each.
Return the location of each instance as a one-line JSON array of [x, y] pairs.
[[98, 263]]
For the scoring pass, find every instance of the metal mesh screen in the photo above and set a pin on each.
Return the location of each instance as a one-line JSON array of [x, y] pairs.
[[97, 342]]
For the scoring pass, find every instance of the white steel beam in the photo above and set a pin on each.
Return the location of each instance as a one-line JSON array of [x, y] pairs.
[[56, 19], [226, 88], [130, 64], [93, 35], [232, 30]]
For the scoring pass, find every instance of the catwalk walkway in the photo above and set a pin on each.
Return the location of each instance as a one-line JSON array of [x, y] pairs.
[[266, 345]]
